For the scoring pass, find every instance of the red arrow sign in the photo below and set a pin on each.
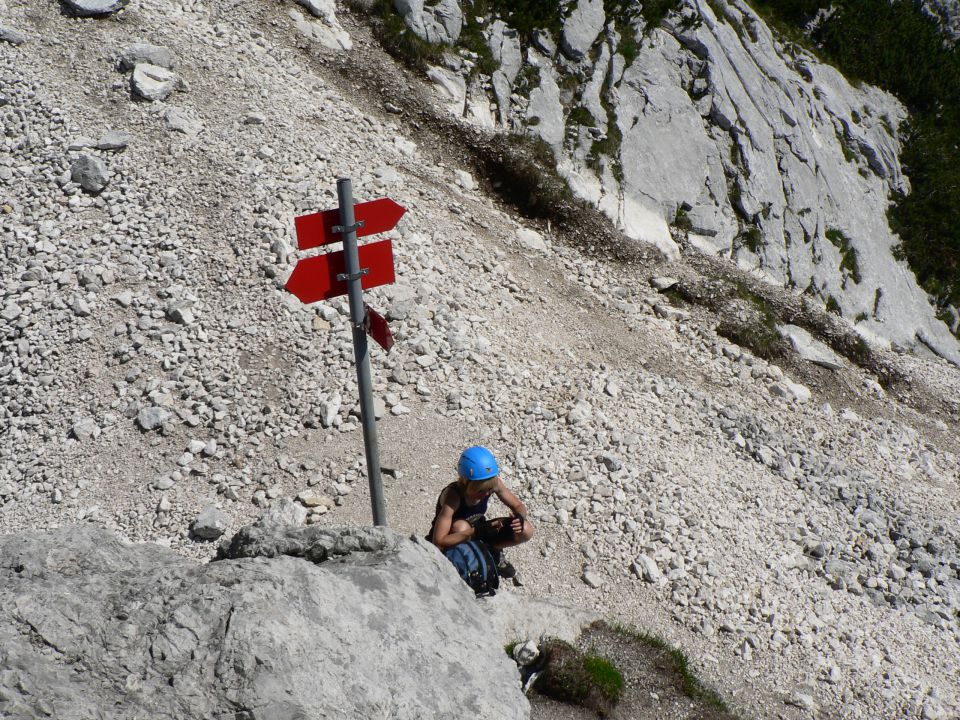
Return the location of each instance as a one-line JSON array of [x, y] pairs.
[[315, 278], [378, 216], [378, 329]]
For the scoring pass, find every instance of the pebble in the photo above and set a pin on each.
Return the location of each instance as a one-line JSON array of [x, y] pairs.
[[145, 53], [591, 579]]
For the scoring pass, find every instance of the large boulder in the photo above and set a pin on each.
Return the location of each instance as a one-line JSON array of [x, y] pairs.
[[92, 627]]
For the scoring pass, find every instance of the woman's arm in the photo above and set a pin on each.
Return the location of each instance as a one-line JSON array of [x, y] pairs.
[[510, 500], [443, 535]]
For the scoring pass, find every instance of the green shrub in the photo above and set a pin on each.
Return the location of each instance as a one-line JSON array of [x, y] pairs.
[[755, 327], [750, 238], [581, 116]]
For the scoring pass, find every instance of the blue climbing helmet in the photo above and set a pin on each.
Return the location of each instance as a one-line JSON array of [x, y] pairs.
[[477, 463]]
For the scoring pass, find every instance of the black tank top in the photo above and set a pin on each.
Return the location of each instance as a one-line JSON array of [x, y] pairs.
[[466, 512]]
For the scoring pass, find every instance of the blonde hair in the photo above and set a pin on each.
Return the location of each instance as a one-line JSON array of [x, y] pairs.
[[478, 485]]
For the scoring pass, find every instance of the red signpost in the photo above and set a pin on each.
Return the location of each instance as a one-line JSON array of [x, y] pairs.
[[349, 271], [316, 278], [376, 216]]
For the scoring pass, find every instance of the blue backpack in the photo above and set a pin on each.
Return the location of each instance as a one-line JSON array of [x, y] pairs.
[[475, 563]]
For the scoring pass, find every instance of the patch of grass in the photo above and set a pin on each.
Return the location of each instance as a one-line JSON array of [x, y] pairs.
[[604, 675], [682, 220], [692, 686], [575, 678], [833, 306]]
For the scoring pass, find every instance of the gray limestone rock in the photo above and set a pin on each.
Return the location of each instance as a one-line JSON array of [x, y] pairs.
[[544, 42], [210, 524], [146, 53], [93, 8], [153, 83], [581, 28], [84, 429], [14, 37], [646, 568], [811, 349], [151, 418], [276, 632], [90, 173], [282, 513], [504, 44], [113, 140], [328, 31], [439, 22]]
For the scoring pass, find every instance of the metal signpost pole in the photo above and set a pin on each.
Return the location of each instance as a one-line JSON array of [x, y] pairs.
[[353, 275]]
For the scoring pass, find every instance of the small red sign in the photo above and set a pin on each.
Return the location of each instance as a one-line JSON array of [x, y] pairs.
[[378, 216], [315, 278], [378, 328]]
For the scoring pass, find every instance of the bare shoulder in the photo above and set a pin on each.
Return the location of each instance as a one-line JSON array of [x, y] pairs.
[[449, 497]]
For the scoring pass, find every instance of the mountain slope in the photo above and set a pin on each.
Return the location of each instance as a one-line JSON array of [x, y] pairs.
[[798, 551]]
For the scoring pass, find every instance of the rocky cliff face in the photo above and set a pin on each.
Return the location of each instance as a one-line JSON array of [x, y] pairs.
[[712, 133], [310, 623]]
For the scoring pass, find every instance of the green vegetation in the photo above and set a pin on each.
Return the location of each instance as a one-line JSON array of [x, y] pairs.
[[580, 679], [750, 238], [581, 116], [604, 675], [610, 143], [756, 330], [526, 171], [398, 40], [682, 220], [692, 686], [899, 47], [848, 254], [472, 38]]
